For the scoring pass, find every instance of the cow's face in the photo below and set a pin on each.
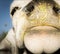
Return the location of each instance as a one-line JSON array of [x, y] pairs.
[[37, 24]]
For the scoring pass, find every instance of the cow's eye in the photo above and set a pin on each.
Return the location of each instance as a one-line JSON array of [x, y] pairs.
[[56, 10], [14, 10]]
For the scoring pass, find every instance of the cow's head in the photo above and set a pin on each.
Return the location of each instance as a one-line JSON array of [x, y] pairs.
[[36, 24]]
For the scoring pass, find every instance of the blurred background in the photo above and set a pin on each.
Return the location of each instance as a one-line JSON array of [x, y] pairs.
[[5, 20]]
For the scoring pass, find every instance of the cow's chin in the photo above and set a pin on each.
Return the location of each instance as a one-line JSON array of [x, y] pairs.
[[42, 39]]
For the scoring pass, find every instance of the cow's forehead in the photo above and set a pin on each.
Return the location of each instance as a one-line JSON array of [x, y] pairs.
[[19, 3], [22, 3]]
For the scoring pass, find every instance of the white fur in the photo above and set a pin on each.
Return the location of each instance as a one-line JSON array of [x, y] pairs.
[[9, 42]]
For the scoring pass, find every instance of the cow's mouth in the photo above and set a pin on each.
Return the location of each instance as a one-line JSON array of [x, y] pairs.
[[42, 38]]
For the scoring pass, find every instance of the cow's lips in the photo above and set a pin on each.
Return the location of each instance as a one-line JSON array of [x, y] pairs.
[[44, 28], [42, 38]]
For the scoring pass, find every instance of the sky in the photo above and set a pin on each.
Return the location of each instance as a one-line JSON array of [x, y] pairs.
[[5, 20]]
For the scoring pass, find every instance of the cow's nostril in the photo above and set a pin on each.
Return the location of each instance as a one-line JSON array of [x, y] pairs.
[[29, 8], [56, 9]]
